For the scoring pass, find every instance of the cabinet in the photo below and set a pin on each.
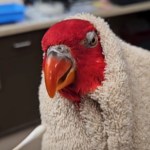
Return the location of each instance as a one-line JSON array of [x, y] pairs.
[[20, 74], [133, 28]]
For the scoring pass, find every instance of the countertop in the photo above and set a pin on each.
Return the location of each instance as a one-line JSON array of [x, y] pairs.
[[32, 25]]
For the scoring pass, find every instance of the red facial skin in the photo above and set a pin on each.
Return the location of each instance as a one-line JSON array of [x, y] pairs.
[[90, 63]]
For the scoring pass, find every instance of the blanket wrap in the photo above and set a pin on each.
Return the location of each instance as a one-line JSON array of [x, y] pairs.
[[116, 116]]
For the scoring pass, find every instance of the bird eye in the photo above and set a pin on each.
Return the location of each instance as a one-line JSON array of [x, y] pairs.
[[91, 39]]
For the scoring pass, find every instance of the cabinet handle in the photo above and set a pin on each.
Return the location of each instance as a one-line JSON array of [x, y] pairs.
[[22, 44], [0, 83]]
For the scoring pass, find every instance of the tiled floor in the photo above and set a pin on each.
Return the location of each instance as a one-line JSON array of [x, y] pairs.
[[9, 142]]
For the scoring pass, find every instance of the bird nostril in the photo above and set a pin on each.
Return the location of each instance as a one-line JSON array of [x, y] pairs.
[[59, 48], [62, 49], [53, 53]]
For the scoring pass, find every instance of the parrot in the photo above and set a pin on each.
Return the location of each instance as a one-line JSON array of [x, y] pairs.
[[94, 92], [73, 65]]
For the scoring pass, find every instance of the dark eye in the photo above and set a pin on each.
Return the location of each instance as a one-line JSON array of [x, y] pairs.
[[91, 39]]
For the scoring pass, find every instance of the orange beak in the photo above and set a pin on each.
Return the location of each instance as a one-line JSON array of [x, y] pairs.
[[59, 73]]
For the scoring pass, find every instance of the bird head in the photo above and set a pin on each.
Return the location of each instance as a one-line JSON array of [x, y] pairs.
[[73, 63]]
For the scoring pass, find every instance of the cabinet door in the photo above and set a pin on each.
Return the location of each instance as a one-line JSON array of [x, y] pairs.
[[20, 74]]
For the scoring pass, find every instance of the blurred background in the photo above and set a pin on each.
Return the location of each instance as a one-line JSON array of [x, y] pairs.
[[22, 25]]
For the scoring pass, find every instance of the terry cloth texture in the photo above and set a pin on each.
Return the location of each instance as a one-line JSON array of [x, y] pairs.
[[116, 116]]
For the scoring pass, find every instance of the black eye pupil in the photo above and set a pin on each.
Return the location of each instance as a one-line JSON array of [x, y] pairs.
[[93, 41]]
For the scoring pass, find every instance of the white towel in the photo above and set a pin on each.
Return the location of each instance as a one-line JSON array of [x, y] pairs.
[[116, 116]]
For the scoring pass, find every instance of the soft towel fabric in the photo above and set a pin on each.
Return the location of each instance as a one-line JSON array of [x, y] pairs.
[[116, 116]]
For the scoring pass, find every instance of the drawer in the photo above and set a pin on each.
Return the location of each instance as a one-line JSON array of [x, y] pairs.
[[20, 75], [19, 105], [21, 44]]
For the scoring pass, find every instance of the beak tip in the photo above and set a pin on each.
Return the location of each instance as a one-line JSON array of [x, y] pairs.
[[51, 95]]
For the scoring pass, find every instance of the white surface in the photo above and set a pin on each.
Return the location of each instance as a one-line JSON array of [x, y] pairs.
[[9, 142], [35, 134], [44, 10]]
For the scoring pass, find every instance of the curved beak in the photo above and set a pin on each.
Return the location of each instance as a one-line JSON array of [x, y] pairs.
[[59, 73]]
